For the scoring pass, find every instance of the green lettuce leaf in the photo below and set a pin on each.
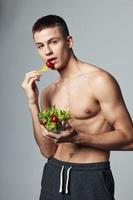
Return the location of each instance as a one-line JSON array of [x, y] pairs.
[[45, 117]]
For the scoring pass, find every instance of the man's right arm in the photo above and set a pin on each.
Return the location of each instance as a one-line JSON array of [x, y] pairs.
[[47, 146]]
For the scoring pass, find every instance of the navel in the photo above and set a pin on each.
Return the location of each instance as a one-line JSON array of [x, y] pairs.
[[71, 155]]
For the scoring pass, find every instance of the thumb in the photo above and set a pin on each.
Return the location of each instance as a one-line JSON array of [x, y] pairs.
[[65, 124]]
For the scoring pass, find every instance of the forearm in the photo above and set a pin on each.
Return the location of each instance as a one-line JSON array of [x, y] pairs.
[[113, 140], [127, 147], [47, 146]]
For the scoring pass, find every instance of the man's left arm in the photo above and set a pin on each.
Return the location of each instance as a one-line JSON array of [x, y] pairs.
[[114, 110]]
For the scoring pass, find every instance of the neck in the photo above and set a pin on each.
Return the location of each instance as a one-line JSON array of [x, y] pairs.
[[71, 69]]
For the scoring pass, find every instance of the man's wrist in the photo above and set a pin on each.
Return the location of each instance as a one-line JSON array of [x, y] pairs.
[[81, 138], [33, 105]]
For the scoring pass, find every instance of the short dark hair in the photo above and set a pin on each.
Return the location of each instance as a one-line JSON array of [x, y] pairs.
[[50, 21]]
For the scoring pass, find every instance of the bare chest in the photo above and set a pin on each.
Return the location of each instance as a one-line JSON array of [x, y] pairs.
[[77, 98]]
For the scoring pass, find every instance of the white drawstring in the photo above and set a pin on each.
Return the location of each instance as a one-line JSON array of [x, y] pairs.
[[61, 179], [67, 180]]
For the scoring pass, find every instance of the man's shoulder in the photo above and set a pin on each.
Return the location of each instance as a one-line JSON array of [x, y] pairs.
[[98, 73], [104, 77], [103, 84], [103, 81], [100, 79]]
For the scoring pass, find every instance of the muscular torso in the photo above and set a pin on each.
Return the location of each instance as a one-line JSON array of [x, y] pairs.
[[76, 96]]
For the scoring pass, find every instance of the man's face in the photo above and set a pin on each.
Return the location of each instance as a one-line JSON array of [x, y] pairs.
[[53, 47]]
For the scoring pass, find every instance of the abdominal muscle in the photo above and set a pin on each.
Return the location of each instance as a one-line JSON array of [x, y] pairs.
[[78, 153], [69, 152]]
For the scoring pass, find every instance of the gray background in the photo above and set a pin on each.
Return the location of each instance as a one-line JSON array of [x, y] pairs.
[[102, 31]]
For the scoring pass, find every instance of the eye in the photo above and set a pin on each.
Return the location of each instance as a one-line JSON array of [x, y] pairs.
[[54, 42], [40, 46]]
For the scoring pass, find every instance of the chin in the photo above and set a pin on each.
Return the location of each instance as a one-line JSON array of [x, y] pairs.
[[61, 68]]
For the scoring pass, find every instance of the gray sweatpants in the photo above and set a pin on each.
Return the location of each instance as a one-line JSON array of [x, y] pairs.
[[76, 181]]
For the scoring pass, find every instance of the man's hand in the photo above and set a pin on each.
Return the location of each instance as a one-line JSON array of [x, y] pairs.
[[60, 136], [30, 87]]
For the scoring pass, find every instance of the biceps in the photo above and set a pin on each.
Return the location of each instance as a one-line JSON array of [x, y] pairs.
[[117, 115]]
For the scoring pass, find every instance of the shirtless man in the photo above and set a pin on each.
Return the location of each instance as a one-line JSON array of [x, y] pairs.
[[78, 165]]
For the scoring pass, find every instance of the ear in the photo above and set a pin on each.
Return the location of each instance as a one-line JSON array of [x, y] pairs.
[[69, 41]]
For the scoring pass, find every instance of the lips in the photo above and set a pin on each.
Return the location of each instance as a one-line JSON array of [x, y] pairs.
[[51, 59], [51, 62]]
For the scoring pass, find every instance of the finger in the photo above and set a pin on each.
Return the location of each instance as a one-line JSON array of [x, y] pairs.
[[47, 134], [53, 135], [67, 125], [30, 75], [70, 121], [44, 133], [44, 129], [37, 77], [34, 86], [27, 80], [32, 80], [31, 85], [33, 72], [55, 141]]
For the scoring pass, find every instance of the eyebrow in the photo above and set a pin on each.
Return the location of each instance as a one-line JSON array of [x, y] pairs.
[[39, 43]]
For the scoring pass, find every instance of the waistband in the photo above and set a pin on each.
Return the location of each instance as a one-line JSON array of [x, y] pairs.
[[80, 166]]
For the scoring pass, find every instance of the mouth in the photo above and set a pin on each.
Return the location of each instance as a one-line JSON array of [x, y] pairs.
[[51, 62]]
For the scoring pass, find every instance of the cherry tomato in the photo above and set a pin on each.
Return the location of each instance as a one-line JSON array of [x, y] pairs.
[[49, 64], [54, 119], [43, 122]]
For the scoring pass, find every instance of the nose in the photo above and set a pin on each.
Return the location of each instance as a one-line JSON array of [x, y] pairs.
[[48, 50]]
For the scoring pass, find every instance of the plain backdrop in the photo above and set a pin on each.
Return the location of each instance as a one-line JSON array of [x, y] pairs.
[[103, 35]]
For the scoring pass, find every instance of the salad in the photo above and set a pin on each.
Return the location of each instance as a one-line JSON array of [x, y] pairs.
[[53, 118]]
